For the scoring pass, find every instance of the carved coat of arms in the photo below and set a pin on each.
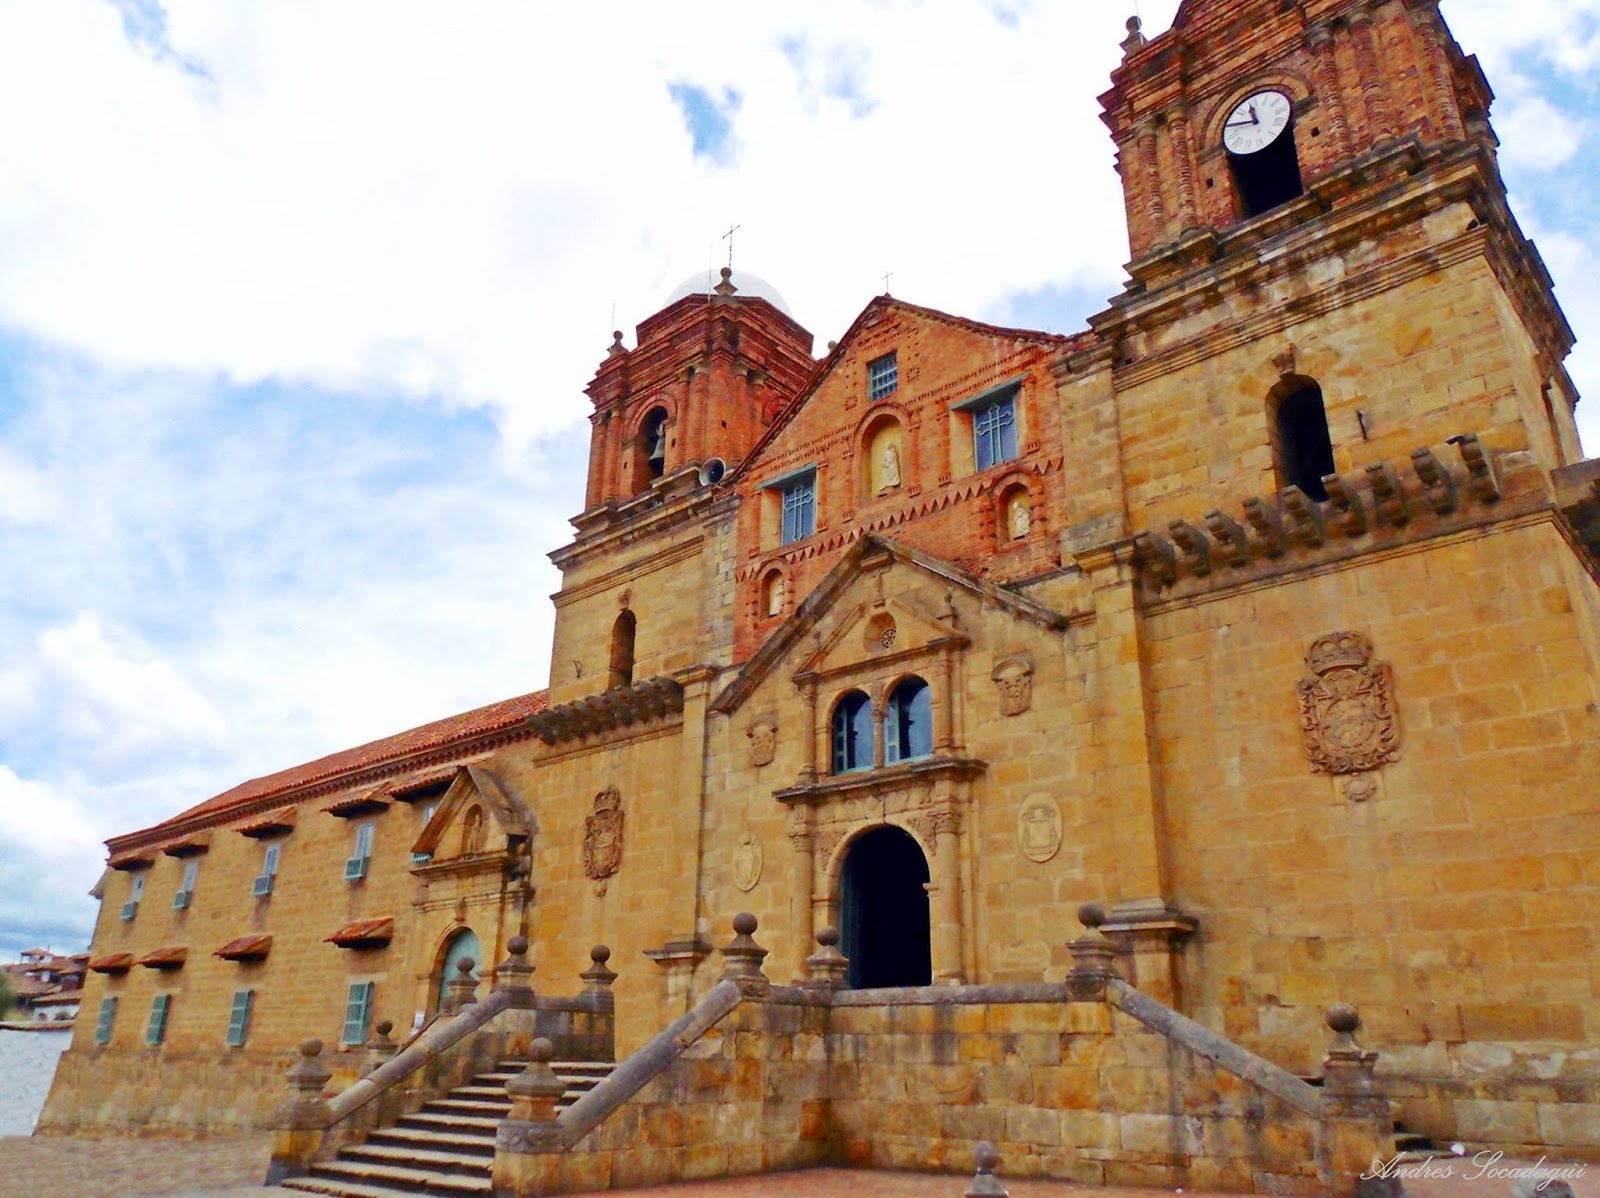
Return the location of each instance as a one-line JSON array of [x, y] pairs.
[[602, 838], [1013, 677], [763, 736], [1347, 709]]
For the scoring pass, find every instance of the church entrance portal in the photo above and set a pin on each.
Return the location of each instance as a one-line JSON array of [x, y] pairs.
[[883, 911]]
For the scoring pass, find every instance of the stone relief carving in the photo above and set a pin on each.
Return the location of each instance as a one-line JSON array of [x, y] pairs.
[[890, 467], [1347, 708], [1014, 678], [763, 735], [602, 838], [1039, 828], [747, 862]]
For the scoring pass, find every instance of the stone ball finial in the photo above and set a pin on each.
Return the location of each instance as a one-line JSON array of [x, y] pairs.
[[727, 272], [1343, 1018], [616, 335], [311, 1047], [1134, 24], [600, 954], [986, 1156], [517, 945], [384, 1027], [465, 966], [1091, 915], [744, 924], [828, 936], [541, 1050]]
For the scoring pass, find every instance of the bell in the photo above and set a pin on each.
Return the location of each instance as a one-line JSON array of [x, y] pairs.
[[658, 451]]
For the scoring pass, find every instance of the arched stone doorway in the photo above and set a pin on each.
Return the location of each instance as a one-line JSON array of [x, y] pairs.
[[463, 944], [883, 911]]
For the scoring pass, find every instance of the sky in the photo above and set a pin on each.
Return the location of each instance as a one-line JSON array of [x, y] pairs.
[[298, 301]]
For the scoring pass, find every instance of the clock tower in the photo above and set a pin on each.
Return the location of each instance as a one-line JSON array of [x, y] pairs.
[[1323, 265]]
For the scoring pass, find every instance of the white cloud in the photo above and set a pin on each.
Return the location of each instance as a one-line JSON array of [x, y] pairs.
[[1535, 135]]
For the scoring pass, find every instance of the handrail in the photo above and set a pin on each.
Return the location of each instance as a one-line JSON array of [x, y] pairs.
[[631, 1075], [1204, 1042], [439, 1036]]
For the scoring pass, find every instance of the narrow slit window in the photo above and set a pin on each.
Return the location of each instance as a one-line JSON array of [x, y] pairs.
[[156, 1031], [239, 1017]]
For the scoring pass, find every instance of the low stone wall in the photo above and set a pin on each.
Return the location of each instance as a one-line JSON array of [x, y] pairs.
[[158, 1093]]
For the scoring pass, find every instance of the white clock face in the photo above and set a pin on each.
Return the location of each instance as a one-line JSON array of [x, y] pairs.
[[1256, 123]]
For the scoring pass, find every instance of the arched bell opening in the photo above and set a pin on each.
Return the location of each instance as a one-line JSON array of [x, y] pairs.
[[884, 926]]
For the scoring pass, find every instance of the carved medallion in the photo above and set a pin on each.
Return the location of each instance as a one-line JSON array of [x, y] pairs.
[[763, 736], [1014, 678], [602, 838], [747, 862], [1039, 828], [1347, 709]]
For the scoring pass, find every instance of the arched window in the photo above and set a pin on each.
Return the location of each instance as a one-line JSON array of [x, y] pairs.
[[653, 444], [852, 734], [1304, 449], [622, 634], [908, 722]]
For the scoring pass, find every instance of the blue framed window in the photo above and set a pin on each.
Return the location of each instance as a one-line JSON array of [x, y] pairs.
[[357, 1013], [239, 1017], [908, 722], [994, 431], [799, 509], [883, 376], [852, 734], [156, 1030], [108, 1016]]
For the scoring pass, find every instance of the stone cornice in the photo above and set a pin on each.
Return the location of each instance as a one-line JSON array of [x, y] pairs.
[[889, 777]]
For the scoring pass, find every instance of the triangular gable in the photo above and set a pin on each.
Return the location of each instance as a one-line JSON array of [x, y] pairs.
[[867, 317], [862, 556], [914, 630], [472, 784]]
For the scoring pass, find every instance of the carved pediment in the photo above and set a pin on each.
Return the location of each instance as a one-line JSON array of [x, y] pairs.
[[477, 813], [855, 586]]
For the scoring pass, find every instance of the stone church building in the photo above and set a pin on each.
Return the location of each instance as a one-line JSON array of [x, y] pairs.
[[1262, 612]]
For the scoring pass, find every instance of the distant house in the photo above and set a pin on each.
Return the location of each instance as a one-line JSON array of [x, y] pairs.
[[46, 984]]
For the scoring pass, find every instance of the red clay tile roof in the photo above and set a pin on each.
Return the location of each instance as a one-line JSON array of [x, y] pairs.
[[115, 963], [364, 932], [246, 948], [271, 821], [165, 958], [480, 720]]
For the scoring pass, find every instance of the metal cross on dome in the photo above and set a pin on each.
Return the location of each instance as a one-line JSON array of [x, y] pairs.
[[728, 237]]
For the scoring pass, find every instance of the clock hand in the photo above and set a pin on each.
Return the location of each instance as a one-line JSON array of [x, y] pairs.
[[1240, 124]]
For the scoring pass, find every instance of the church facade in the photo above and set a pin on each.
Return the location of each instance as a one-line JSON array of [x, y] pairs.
[[1263, 612]]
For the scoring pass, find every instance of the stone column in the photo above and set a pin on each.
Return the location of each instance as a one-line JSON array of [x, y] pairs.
[[1430, 42], [1372, 82], [1183, 153], [300, 1125], [1357, 1128], [1150, 177], [802, 877], [808, 760], [947, 954], [944, 711], [1320, 40], [1125, 778]]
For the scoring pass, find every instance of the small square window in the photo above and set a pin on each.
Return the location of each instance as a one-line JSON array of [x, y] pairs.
[[799, 509], [883, 376], [994, 432]]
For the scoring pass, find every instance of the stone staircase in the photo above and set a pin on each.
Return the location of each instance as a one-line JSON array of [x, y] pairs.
[[446, 1148]]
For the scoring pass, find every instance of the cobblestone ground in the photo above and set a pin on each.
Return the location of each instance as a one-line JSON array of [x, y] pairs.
[[137, 1168]]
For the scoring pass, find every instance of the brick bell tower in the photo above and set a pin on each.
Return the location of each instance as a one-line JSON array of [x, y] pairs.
[[708, 374], [1264, 142]]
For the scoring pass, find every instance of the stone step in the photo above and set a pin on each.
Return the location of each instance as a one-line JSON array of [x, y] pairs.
[[495, 1108], [403, 1178], [342, 1187], [439, 1160], [465, 1143], [453, 1122]]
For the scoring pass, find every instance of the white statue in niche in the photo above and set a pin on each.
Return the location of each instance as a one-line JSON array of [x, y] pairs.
[[890, 466], [775, 595], [1019, 516]]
